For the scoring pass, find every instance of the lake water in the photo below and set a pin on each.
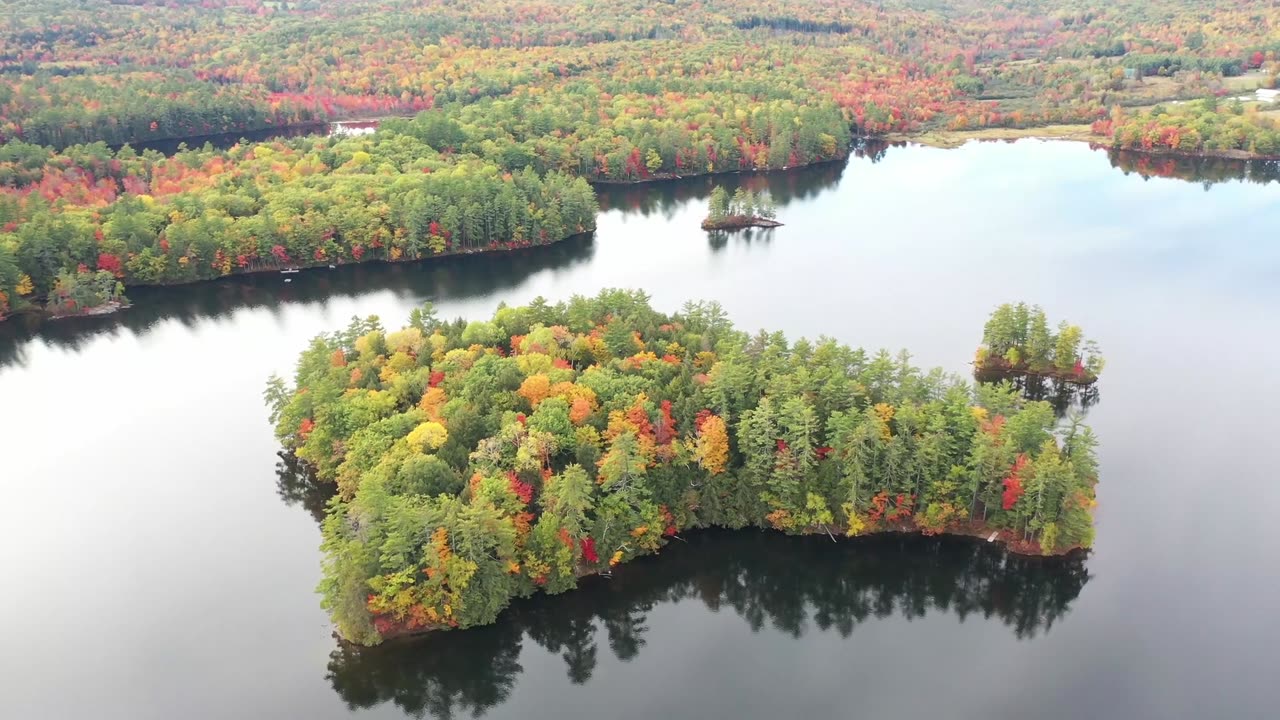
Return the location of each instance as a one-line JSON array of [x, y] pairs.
[[223, 141], [159, 558]]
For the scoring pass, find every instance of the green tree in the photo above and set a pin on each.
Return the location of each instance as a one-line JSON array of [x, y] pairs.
[[719, 208]]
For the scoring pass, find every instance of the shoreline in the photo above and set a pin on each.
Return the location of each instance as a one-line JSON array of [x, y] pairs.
[[325, 264], [952, 139], [739, 222], [941, 139], [1239, 155], [971, 531], [115, 307], [109, 308], [663, 177], [993, 370]]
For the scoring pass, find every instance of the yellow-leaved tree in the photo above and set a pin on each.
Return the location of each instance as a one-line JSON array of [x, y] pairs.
[[712, 449], [427, 436]]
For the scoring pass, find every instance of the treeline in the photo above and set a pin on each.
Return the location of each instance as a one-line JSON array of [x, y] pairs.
[[1209, 126], [464, 178], [792, 24], [1169, 64], [82, 71], [638, 136], [61, 111], [478, 462], [591, 90], [206, 213]]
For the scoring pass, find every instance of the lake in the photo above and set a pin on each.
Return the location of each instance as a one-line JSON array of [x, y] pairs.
[[160, 558], [223, 141]]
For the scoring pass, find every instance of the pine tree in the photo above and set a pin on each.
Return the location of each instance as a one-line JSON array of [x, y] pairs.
[[719, 204], [740, 203]]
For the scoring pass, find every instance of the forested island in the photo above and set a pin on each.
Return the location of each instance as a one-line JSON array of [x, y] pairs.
[[744, 209], [480, 461], [1017, 341]]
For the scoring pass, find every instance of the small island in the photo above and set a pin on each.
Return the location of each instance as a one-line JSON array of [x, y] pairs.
[[479, 462], [1017, 343], [74, 294], [744, 209]]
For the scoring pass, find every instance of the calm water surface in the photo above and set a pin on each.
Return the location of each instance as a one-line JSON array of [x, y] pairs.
[[159, 559]]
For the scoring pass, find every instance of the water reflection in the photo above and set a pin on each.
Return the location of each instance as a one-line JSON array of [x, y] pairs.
[[451, 277], [1064, 396], [720, 239], [467, 277], [225, 141], [794, 585], [664, 198], [1205, 170], [298, 485]]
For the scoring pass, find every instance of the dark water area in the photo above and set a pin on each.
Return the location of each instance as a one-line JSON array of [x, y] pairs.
[[160, 557], [224, 141], [772, 594]]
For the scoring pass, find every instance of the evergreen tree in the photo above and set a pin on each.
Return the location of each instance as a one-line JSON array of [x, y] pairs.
[[719, 203]]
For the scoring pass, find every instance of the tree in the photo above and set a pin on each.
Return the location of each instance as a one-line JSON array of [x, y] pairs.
[[653, 161], [740, 204], [535, 389], [1066, 352], [712, 449], [719, 203]]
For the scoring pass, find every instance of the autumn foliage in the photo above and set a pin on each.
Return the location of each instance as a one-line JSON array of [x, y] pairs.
[[527, 474]]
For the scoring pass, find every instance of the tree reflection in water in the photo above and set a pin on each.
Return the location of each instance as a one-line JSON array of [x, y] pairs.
[[457, 277], [1064, 396], [1207, 171], [793, 584], [298, 485]]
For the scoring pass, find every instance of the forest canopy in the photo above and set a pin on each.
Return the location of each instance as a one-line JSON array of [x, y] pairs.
[[147, 219], [545, 93], [476, 462]]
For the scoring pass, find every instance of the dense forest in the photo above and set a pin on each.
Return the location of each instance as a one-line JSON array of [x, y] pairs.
[[73, 71], [200, 214], [543, 92], [1203, 126], [476, 462]]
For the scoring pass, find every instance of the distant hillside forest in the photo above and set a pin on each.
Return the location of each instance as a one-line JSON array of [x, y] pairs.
[[505, 104]]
